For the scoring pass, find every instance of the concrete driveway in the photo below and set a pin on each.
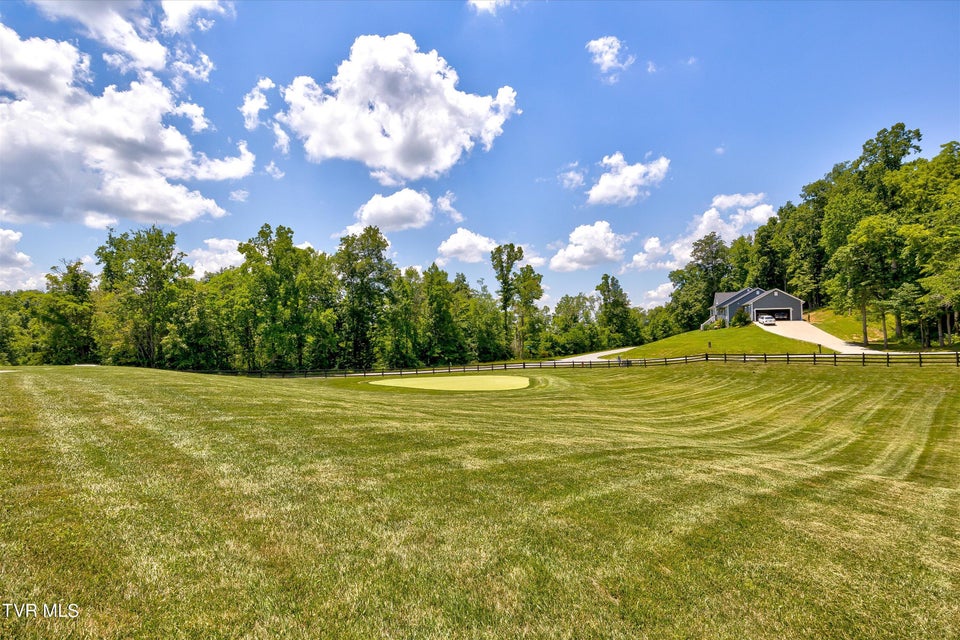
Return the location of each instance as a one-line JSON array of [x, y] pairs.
[[594, 357], [803, 330]]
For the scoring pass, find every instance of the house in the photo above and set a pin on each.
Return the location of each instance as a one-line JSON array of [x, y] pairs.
[[757, 302]]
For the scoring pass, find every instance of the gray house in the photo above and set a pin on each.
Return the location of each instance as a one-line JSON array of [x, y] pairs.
[[757, 302]]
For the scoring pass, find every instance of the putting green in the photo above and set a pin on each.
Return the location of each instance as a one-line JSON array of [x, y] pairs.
[[458, 383]]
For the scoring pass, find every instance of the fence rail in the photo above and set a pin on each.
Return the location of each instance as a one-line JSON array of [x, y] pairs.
[[920, 359]]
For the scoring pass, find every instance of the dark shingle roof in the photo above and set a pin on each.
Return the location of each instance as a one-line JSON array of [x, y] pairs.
[[722, 296]]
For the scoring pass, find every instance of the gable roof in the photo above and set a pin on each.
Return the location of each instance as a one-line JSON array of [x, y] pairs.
[[722, 296], [727, 298], [778, 292]]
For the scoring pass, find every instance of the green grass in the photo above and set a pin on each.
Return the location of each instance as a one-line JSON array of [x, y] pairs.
[[702, 501], [849, 329], [749, 339]]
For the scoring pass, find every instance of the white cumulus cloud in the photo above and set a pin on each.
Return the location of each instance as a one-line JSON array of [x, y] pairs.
[[737, 200], [16, 268], [195, 114], [445, 204], [255, 102], [115, 25], [71, 155], [181, 15], [572, 176], [223, 168], [274, 171], [240, 195], [589, 246], [39, 68], [531, 257], [405, 209], [749, 211], [394, 108], [488, 6], [609, 54], [189, 63], [624, 183], [657, 297], [283, 139], [465, 246], [219, 253]]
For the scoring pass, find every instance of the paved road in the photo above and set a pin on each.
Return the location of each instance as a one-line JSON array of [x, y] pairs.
[[594, 357], [802, 330]]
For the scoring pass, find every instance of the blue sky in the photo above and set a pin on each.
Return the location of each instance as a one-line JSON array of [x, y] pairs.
[[603, 137]]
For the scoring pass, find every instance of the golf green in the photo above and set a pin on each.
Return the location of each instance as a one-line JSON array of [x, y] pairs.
[[458, 383]]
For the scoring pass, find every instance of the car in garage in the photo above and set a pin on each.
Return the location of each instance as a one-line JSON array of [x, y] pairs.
[[765, 319]]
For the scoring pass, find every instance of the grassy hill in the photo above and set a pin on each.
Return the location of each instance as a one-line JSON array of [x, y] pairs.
[[749, 339], [848, 328], [711, 500]]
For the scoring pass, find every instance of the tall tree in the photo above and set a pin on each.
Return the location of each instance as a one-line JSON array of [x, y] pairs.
[[68, 314], [503, 259], [528, 288], [280, 279], [144, 271], [402, 333], [443, 337], [574, 325], [365, 276], [614, 315], [882, 155], [867, 267]]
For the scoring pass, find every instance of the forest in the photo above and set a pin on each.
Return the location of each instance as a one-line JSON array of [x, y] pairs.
[[877, 236]]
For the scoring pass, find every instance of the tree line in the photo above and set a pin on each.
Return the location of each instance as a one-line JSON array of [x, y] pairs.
[[288, 307], [876, 235]]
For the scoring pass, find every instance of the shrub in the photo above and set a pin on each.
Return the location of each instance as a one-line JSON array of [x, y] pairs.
[[740, 318]]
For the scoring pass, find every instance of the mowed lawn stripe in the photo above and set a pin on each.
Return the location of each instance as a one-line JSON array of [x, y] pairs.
[[630, 503]]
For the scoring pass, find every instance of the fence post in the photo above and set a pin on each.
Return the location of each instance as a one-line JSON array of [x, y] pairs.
[[744, 357], [706, 357], [724, 356], [958, 358], [764, 358], [814, 358], [863, 359], [920, 358], [834, 359], [788, 358]]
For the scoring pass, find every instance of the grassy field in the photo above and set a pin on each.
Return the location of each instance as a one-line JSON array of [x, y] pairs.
[[849, 329], [701, 501], [749, 339]]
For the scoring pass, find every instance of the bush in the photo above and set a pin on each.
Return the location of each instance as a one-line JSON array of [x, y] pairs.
[[740, 318]]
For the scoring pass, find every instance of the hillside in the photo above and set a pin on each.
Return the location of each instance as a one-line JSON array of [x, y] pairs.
[[749, 339]]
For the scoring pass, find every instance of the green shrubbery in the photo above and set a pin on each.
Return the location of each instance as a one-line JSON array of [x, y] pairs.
[[740, 319]]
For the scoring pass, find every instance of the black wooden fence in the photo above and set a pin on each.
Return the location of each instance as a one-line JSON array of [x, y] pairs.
[[936, 358]]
